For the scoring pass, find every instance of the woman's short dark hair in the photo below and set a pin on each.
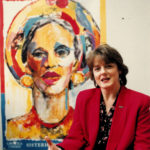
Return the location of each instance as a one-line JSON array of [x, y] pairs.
[[108, 55]]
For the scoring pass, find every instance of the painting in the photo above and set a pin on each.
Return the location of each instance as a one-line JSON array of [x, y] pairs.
[[45, 44]]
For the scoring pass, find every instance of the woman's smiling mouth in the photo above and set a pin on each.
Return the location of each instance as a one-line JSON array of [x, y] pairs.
[[105, 79]]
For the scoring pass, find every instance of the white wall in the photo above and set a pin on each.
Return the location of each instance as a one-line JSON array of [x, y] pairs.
[[128, 30]]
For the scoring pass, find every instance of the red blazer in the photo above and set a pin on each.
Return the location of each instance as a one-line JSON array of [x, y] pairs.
[[130, 128]]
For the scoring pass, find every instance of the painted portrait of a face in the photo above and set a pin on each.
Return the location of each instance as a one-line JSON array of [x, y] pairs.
[[46, 52], [51, 58]]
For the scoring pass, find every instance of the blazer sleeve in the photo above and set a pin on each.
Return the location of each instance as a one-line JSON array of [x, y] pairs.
[[75, 139], [142, 137]]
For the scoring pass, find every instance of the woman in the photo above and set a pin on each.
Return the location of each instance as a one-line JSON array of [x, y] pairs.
[[110, 116], [53, 48]]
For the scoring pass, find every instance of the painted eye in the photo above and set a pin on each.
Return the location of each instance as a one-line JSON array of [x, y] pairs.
[[62, 51], [39, 53]]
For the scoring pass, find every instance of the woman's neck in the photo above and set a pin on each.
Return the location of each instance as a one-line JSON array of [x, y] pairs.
[[51, 108], [110, 95], [110, 92]]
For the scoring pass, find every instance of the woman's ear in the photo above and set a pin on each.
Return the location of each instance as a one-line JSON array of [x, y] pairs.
[[120, 72]]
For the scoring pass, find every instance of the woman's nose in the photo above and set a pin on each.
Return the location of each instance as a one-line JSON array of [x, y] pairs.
[[103, 70]]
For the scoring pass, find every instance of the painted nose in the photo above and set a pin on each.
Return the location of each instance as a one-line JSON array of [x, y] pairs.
[[51, 61]]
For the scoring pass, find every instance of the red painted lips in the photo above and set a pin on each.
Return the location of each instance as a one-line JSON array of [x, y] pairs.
[[50, 77]]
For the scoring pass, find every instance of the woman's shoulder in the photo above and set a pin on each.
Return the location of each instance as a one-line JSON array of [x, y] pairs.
[[132, 92], [135, 96], [88, 95]]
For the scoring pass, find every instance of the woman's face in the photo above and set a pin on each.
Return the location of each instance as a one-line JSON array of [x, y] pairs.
[[105, 75], [51, 58]]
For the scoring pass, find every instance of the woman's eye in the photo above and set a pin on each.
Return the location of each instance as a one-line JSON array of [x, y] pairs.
[[39, 53], [108, 66], [62, 51]]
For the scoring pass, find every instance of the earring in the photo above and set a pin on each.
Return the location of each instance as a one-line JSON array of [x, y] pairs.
[[77, 78], [26, 81], [121, 82]]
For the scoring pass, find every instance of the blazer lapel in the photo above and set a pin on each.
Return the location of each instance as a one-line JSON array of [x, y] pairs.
[[94, 116], [118, 122]]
